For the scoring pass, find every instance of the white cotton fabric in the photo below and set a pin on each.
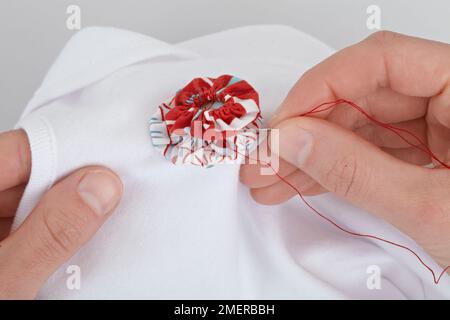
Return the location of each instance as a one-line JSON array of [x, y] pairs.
[[184, 231]]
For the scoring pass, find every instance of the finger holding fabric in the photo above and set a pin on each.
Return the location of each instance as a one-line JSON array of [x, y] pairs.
[[399, 80], [15, 168], [67, 216]]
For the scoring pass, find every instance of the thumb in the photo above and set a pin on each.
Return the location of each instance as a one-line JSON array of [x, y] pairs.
[[65, 219], [355, 170]]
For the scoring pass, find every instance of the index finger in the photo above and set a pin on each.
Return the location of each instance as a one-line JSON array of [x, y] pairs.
[[15, 159], [410, 66]]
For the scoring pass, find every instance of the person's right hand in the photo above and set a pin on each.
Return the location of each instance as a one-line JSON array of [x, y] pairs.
[[400, 80]]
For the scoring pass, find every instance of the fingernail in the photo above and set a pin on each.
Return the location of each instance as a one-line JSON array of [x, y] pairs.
[[100, 190], [295, 144]]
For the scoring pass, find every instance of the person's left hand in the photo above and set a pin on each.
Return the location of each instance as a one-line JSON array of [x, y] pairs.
[[66, 217]]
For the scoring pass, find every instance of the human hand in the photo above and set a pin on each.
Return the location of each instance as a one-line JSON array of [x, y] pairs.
[[399, 80], [67, 216]]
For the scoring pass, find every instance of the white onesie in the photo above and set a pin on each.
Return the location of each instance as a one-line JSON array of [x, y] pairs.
[[185, 231]]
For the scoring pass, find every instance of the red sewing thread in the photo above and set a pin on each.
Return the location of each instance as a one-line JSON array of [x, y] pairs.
[[421, 146]]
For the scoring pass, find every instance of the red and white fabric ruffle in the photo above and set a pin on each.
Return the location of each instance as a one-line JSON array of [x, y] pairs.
[[209, 121]]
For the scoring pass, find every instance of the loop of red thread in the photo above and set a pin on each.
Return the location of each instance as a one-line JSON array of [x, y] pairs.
[[420, 146]]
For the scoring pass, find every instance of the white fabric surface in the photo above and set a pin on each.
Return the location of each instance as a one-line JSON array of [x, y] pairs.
[[185, 231]]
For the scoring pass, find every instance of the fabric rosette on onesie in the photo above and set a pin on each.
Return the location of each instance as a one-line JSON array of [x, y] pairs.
[[209, 121]]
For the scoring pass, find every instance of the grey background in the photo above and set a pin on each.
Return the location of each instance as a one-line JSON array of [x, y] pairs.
[[32, 32]]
